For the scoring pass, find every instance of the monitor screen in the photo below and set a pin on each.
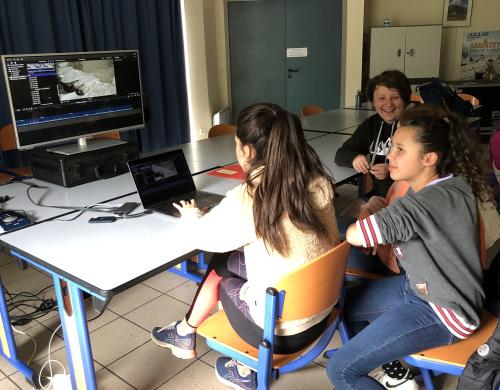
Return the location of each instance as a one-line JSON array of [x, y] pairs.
[[61, 96]]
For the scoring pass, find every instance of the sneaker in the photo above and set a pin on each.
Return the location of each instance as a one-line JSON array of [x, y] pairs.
[[226, 370], [183, 347], [394, 376]]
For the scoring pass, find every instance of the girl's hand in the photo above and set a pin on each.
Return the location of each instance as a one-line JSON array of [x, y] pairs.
[[188, 209], [380, 171], [376, 203], [360, 164]]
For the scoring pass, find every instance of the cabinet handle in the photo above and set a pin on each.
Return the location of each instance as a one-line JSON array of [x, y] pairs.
[[410, 52], [398, 52]]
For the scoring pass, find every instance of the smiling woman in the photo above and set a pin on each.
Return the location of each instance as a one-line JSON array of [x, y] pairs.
[[366, 151]]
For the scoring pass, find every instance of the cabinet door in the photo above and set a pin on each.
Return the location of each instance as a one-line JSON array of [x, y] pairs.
[[423, 48], [387, 49]]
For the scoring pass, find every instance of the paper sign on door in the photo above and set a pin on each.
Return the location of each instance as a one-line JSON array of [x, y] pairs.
[[296, 52]]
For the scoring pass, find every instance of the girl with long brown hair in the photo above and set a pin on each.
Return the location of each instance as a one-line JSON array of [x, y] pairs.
[[282, 216]]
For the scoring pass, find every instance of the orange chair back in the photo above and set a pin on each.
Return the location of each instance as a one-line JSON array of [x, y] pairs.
[[416, 98], [316, 285], [472, 99], [7, 138], [309, 110], [221, 129]]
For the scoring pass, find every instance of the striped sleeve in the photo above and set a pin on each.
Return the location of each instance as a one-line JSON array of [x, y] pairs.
[[456, 324], [370, 231]]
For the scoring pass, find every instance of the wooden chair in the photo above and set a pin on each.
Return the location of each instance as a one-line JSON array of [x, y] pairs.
[[308, 290], [472, 99], [7, 143], [451, 359], [221, 129], [416, 98], [310, 110]]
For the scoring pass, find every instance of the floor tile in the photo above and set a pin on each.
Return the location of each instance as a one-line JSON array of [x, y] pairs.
[[25, 346], [116, 339], [106, 380], [33, 283], [5, 258], [12, 272], [159, 312], [165, 281], [198, 376], [132, 298], [7, 384], [2, 375], [311, 377], [185, 292], [148, 366]]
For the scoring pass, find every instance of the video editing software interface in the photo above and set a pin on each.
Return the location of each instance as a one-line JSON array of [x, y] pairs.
[[60, 96]]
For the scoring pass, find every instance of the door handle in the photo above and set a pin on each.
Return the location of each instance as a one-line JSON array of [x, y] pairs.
[[290, 70], [398, 52], [410, 52]]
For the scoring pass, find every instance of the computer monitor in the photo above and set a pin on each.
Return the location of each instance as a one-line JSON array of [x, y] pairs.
[[63, 96]]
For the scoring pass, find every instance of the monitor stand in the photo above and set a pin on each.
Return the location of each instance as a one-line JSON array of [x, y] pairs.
[[85, 145]]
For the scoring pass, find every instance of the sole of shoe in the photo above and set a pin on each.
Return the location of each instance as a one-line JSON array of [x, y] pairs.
[[176, 351]]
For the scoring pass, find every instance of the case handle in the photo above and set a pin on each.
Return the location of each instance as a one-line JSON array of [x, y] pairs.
[[100, 174]]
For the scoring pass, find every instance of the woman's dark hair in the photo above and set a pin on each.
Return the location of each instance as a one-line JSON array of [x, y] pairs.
[[289, 164], [458, 149], [393, 79]]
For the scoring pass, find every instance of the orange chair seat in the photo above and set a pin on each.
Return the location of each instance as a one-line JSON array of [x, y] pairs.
[[217, 327], [458, 353]]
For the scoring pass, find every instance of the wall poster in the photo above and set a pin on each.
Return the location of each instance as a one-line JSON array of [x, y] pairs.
[[480, 56]]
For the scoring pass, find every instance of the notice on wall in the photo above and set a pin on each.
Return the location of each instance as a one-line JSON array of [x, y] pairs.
[[296, 52], [480, 56]]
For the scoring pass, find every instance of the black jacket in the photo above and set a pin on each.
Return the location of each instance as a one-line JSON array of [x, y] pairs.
[[363, 142]]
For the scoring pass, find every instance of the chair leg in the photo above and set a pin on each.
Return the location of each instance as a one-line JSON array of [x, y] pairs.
[[427, 377]]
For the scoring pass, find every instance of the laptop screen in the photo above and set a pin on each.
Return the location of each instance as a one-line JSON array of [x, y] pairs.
[[161, 176]]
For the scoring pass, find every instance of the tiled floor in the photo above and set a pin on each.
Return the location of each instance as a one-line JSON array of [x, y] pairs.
[[124, 355]]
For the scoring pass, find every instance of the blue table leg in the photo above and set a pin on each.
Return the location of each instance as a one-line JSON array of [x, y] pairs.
[[7, 343], [76, 335]]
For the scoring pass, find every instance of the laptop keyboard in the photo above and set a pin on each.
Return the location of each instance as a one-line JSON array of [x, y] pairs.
[[202, 201]]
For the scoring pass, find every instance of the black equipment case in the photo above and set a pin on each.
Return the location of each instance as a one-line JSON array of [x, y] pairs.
[[80, 168]]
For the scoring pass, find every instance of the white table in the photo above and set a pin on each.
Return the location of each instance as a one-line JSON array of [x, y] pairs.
[[53, 194], [326, 147], [333, 121]]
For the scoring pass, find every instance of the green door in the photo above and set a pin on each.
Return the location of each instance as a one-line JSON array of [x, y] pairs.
[[286, 52]]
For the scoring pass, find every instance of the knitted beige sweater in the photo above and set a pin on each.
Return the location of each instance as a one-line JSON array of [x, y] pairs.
[[230, 226]]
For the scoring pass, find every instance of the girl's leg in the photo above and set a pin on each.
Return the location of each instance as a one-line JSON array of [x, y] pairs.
[[207, 295], [180, 336], [396, 329]]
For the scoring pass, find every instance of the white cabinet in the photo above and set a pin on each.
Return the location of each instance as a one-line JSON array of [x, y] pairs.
[[413, 50]]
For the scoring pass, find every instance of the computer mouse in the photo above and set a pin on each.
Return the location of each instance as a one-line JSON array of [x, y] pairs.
[[9, 218]]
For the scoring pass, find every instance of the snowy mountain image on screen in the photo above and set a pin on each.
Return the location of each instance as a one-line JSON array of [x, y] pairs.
[[85, 79]]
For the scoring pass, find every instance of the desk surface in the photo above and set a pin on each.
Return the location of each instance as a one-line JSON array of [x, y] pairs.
[[53, 194], [102, 256], [335, 120], [326, 147]]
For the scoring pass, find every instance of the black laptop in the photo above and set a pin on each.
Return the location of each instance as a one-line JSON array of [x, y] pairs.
[[163, 179]]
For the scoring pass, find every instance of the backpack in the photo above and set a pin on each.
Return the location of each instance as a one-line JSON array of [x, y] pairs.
[[482, 371], [437, 93]]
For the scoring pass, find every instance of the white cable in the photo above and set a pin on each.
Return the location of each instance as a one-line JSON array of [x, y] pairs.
[[49, 362], [32, 339]]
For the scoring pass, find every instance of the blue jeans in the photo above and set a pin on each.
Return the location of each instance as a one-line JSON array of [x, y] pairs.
[[400, 323]]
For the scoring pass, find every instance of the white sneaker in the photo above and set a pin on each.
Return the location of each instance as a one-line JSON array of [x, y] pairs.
[[405, 383]]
